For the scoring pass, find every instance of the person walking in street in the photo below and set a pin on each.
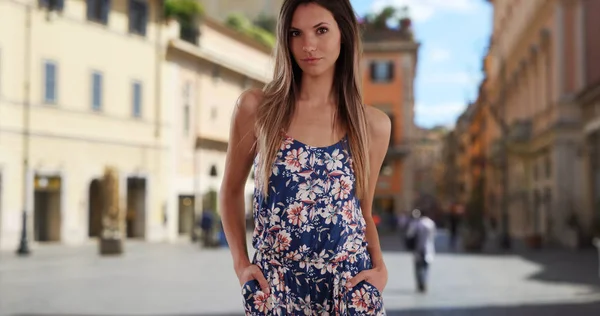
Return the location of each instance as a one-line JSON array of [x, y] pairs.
[[423, 230], [316, 151], [206, 224]]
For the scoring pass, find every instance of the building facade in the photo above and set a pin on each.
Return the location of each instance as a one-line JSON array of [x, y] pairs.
[[389, 68], [427, 149], [589, 99], [204, 81], [90, 84], [534, 72]]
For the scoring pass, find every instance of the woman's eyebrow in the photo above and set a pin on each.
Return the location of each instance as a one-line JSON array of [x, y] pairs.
[[315, 26]]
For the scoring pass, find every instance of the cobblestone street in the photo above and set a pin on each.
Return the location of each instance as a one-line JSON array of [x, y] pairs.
[[183, 280]]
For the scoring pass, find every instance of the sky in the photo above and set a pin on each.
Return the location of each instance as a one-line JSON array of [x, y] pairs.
[[453, 35]]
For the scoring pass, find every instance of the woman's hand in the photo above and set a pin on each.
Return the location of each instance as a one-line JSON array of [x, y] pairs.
[[253, 272], [377, 277]]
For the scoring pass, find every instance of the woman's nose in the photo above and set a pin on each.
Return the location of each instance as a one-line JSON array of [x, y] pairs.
[[309, 44]]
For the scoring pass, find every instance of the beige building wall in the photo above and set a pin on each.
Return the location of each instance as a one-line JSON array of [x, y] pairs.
[[207, 80], [71, 140], [68, 138]]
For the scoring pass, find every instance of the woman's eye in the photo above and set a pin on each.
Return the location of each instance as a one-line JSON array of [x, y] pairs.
[[322, 30], [294, 33]]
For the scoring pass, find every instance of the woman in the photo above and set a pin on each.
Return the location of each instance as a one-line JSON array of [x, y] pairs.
[[317, 151]]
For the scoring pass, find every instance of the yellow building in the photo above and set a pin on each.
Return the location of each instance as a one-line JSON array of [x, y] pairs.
[[203, 83], [87, 84]]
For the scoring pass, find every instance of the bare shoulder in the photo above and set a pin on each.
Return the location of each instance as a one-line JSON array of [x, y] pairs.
[[380, 125], [248, 102]]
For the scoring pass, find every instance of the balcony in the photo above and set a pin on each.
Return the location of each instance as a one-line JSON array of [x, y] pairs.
[[398, 151], [189, 34], [520, 131]]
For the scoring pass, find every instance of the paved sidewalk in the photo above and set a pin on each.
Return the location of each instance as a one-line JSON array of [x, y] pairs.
[[183, 280]]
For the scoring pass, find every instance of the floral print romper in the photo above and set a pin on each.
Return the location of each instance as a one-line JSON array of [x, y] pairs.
[[309, 236]]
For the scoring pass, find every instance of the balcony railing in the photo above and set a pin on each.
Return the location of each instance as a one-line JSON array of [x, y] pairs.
[[189, 34], [397, 151], [520, 131]]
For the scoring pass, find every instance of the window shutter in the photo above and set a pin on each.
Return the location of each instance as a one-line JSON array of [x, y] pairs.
[[373, 66], [390, 71], [59, 5], [105, 11], [90, 8], [131, 14], [144, 17]]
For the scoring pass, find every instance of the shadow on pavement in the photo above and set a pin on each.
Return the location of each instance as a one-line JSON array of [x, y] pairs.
[[575, 309], [579, 309], [558, 265]]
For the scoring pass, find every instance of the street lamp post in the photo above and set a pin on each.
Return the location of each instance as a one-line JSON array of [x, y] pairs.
[[23, 249]]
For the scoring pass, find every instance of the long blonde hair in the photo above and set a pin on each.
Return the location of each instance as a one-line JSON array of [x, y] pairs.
[[280, 95]]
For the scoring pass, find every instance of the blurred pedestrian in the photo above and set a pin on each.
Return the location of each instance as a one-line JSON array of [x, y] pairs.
[[313, 203], [454, 221], [423, 230], [206, 225]]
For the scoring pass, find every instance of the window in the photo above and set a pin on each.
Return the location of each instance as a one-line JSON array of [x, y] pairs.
[[96, 91], [138, 16], [50, 82], [213, 171], [391, 116], [382, 71], [52, 5], [187, 91], [216, 73], [548, 166], [137, 99], [186, 119], [0, 73], [97, 10]]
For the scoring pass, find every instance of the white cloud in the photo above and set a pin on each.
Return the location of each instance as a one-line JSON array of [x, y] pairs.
[[421, 10], [438, 114], [438, 55], [461, 78]]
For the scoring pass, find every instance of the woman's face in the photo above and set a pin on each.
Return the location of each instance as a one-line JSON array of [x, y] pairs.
[[314, 39]]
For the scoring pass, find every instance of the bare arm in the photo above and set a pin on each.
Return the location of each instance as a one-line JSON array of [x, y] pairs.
[[240, 155], [379, 138]]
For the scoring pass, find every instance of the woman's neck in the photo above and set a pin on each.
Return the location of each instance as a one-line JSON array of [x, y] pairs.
[[317, 91]]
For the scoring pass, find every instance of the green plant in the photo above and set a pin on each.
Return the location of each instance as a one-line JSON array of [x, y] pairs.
[[241, 24], [185, 11]]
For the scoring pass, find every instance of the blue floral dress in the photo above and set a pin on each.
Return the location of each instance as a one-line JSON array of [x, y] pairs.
[[309, 236]]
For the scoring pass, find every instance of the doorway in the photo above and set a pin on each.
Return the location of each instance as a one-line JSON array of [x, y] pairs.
[[95, 209], [186, 214], [46, 207], [136, 207]]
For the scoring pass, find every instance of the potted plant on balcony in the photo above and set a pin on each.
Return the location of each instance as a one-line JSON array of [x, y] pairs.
[[113, 221], [188, 13]]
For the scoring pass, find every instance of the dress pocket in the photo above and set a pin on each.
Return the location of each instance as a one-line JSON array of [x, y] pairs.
[[255, 300], [365, 299]]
